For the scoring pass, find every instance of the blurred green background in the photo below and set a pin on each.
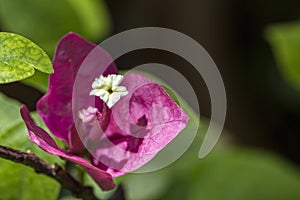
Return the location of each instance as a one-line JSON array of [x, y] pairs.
[[255, 44]]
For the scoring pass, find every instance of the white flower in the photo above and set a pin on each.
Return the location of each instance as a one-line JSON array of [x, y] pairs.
[[109, 89], [86, 115]]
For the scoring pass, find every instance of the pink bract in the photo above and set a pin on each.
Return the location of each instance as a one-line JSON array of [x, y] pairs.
[[55, 107], [40, 137], [123, 138]]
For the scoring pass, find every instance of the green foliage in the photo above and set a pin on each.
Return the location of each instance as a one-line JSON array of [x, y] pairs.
[[285, 43], [93, 17], [18, 58], [18, 181], [235, 174], [226, 174], [47, 21], [39, 81]]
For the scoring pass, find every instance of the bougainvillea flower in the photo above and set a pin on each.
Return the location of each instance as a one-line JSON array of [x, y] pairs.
[[130, 120]]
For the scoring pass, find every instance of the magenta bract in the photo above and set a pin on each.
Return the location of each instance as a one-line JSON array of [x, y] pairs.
[[129, 134], [40, 137]]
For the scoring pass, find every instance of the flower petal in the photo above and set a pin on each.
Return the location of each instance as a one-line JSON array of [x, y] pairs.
[[44, 141], [141, 124], [55, 107]]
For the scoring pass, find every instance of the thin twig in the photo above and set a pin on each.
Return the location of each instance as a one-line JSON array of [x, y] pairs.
[[54, 171]]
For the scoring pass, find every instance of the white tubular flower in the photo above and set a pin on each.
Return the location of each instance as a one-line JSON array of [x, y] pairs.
[[109, 89]]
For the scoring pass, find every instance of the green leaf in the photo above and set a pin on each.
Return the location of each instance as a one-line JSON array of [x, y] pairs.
[[234, 174], [47, 21], [93, 17], [22, 182], [19, 56], [39, 81], [285, 42]]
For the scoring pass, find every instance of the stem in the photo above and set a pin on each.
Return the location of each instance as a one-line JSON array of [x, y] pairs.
[[54, 171], [119, 194]]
